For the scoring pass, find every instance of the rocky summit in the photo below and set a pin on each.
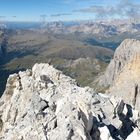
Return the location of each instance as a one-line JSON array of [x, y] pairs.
[[44, 104]]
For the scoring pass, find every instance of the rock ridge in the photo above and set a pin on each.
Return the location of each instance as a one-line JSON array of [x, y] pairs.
[[44, 104]]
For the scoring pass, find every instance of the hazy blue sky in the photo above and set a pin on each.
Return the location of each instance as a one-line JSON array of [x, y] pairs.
[[30, 10]]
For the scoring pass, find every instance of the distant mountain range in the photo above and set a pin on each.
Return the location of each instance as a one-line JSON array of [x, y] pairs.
[[104, 28], [101, 29]]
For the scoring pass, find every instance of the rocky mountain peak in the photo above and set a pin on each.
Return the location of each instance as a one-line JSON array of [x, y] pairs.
[[44, 104], [123, 72], [128, 52]]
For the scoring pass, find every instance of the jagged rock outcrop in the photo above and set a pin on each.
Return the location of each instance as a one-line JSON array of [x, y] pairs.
[[123, 73], [44, 104]]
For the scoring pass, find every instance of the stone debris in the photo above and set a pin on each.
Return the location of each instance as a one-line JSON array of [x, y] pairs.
[[44, 104]]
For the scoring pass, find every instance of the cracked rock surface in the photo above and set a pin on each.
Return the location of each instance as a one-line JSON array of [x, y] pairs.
[[44, 104]]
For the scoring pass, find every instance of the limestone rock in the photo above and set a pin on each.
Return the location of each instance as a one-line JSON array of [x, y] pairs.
[[44, 104], [123, 73]]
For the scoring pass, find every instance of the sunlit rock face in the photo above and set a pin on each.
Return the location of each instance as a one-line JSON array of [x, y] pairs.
[[123, 73], [44, 104]]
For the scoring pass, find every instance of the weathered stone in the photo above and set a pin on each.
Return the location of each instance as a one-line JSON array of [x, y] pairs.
[[61, 110], [123, 73]]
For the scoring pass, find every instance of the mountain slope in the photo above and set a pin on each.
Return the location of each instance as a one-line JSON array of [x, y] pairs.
[[123, 72]]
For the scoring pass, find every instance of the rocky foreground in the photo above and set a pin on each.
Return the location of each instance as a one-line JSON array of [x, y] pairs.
[[44, 104]]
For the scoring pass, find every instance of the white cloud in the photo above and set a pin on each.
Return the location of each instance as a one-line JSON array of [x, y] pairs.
[[125, 8]]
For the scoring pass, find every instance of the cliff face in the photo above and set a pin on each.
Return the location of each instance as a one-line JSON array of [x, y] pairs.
[[123, 73], [44, 104]]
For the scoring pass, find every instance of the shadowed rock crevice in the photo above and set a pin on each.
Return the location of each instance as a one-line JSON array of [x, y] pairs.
[[95, 133], [126, 128], [135, 94], [1, 124]]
